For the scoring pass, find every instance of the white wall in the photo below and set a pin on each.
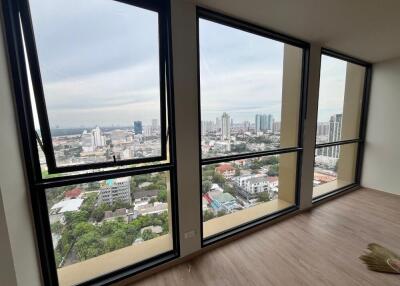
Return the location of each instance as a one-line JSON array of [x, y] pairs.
[[381, 168]]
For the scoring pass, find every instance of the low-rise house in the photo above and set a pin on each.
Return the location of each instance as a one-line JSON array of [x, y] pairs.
[[223, 201], [143, 197], [114, 215], [226, 170], [57, 211], [155, 208], [73, 194]]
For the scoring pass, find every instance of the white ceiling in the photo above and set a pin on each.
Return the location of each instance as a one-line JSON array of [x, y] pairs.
[[366, 29]]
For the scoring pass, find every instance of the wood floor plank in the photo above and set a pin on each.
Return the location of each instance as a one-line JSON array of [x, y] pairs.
[[319, 247]]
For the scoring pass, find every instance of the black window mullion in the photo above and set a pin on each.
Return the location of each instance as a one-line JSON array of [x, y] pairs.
[[92, 177], [37, 84], [342, 142], [207, 161]]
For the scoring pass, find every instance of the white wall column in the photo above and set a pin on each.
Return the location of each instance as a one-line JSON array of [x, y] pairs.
[[310, 128], [184, 47]]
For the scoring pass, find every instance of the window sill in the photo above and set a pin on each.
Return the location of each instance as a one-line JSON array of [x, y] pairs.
[[229, 221], [100, 265]]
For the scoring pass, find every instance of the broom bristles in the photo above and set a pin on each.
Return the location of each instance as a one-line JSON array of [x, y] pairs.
[[381, 259]]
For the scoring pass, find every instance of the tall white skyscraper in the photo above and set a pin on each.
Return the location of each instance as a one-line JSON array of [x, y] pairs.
[[225, 126], [335, 134], [98, 138]]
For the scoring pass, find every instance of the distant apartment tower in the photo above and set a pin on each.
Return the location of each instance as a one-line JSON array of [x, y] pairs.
[[277, 127], [206, 126], [264, 122], [257, 123], [98, 138], [334, 134], [218, 123], [154, 126], [225, 126], [116, 190], [137, 127], [270, 122], [323, 129]]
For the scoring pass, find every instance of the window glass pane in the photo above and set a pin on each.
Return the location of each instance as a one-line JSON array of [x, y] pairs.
[[340, 100], [335, 167], [105, 225], [99, 62], [236, 192], [250, 91]]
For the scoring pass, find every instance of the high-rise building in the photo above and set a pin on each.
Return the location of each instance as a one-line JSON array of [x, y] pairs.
[[218, 123], [277, 127], [258, 123], [270, 122], [334, 134], [207, 126], [225, 126], [137, 127], [323, 129], [155, 128], [264, 122], [115, 190], [98, 138]]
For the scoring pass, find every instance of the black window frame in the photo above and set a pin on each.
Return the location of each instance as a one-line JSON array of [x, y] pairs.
[[37, 185], [33, 61], [241, 25], [360, 141]]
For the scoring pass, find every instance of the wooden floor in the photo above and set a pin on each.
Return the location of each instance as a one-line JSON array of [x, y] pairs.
[[320, 247]]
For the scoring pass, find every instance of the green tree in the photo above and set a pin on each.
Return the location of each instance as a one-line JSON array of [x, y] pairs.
[[82, 228], [218, 179], [221, 213], [98, 213], [72, 218], [116, 241], [89, 245], [273, 170], [207, 215], [56, 227], [162, 196], [206, 186], [263, 197], [148, 234]]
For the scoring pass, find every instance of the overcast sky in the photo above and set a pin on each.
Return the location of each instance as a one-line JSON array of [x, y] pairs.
[[331, 89], [99, 61], [99, 66]]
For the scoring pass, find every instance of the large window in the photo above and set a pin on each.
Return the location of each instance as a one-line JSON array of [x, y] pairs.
[[339, 133], [102, 101], [251, 84], [92, 81]]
